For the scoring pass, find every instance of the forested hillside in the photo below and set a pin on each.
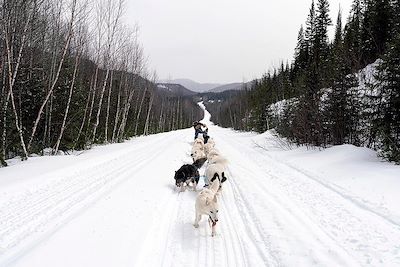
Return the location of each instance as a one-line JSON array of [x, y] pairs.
[[73, 74], [225, 107], [322, 97]]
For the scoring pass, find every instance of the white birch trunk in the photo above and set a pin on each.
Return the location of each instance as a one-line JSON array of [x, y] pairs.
[[96, 124], [12, 74], [117, 111], [108, 108], [69, 36], [146, 125], [140, 110], [71, 89]]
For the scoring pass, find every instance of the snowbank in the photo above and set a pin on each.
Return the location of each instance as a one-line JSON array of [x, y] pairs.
[[355, 172]]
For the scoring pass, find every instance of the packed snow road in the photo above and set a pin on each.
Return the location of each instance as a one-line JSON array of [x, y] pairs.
[[116, 205]]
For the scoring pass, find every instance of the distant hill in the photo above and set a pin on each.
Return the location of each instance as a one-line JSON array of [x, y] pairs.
[[231, 86], [206, 87], [192, 85], [174, 89], [226, 87]]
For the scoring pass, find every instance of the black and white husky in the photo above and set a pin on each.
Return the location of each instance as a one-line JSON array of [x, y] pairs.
[[188, 175], [216, 166]]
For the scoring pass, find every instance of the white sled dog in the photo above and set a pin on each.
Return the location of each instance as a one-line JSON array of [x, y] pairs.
[[199, 142], [209, 146], [198, 146], [216, 166], [211, 141], [213, 152], [207, 204], [198, 154], [217, 159]]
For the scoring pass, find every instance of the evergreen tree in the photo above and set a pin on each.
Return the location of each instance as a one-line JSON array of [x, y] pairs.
[[375, 29], [389, 123], [309, 35], [321, 44], [316, 74], [301, 52], [339, 118], [395, 18], [352, 35]]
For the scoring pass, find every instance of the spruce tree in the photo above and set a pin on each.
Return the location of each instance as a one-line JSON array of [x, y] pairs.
[[375, 29], [301, 53], [307, 86], [310, 28], [388, 124], [395, 18], [316, 74], [340, 114], [321, 44], [352, 35]]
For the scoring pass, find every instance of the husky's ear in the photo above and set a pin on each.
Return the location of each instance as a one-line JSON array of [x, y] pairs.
[[215, 198]]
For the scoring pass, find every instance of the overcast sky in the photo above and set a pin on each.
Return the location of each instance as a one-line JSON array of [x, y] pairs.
[[220, 41]]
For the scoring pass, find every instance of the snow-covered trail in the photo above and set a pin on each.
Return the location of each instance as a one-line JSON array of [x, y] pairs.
[[297, 215], [34, 215], [117, 206]]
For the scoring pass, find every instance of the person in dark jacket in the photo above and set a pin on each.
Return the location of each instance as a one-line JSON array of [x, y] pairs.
[[198, 129]]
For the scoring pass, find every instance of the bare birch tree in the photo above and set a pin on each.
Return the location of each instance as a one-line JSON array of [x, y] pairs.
[[12, 72], [112, 22], [54, 82], [146, 125], [80, 40]]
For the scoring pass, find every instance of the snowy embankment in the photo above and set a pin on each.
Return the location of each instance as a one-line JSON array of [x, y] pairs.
[[116, 205], [354, 172]]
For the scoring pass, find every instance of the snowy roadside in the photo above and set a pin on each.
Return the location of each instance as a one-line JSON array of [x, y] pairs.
[[355, 172]]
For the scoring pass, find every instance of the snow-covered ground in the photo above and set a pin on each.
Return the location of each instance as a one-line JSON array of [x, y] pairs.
[[116, 205]]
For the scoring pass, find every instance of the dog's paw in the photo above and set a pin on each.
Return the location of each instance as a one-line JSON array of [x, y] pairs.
[[196, 225]]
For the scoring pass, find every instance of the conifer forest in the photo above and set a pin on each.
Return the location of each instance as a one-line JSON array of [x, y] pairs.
[[322, 97]]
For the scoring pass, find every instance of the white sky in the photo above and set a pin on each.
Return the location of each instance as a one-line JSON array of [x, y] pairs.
[[220, 40]]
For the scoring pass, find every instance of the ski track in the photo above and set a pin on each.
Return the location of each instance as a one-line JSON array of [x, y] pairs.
[[333, 218], [232, 246], [28, 216], [271, 213]]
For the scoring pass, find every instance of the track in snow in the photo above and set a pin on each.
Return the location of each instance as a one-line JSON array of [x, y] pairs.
[[29, 215], [183, 245]]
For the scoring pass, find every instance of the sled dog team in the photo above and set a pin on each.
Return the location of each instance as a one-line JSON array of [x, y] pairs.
[[188, 177]]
